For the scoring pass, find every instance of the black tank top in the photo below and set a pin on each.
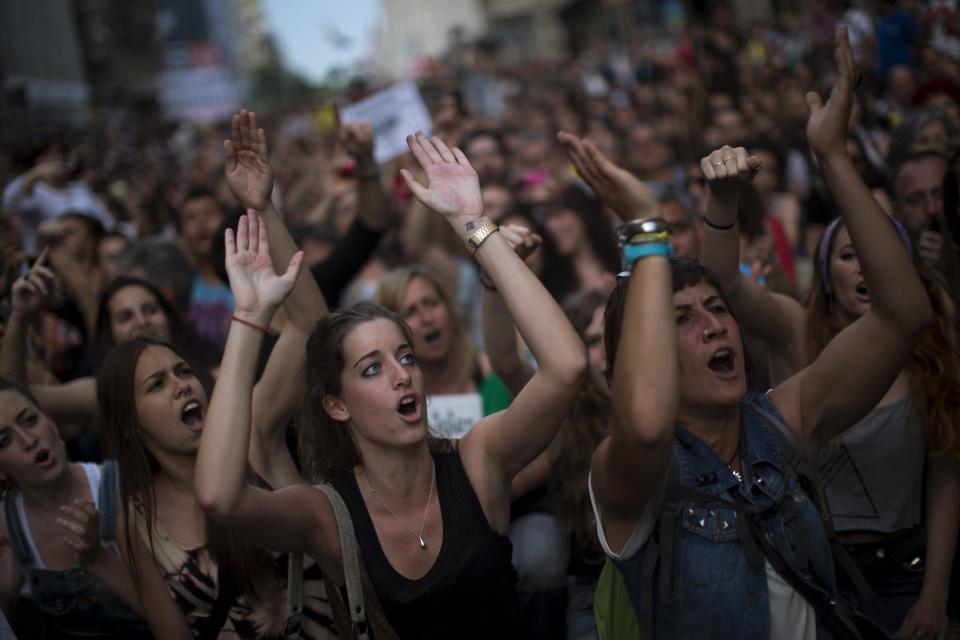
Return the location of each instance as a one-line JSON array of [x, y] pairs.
[[470, 591]]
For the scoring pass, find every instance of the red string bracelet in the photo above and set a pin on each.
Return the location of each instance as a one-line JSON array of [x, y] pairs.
[[251, 325]]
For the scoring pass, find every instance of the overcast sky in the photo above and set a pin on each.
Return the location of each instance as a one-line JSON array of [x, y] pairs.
[[317, 35]]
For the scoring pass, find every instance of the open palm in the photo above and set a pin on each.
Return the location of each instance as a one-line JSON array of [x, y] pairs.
[[256, 287], [247, 167], [629, 197], [827, 126], [453, 186]]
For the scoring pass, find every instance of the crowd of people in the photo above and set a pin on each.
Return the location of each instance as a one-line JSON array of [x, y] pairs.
[[657, 343]]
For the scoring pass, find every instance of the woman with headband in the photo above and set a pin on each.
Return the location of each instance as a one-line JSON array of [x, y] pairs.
[[892, 479]]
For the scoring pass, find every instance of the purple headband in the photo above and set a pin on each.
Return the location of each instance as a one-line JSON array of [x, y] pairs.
[[823, 250]]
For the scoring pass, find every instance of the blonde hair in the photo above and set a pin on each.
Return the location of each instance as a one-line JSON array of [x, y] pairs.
[[390, 293]]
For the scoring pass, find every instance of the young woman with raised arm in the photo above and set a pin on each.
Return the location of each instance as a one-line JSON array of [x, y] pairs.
[[430, 515], [892, 480], [696, 491], [153, 411]]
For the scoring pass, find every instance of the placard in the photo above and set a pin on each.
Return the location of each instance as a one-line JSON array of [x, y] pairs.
[[394, 113], [452, 416]]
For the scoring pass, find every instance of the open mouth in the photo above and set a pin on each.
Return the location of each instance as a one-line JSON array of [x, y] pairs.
[[192, 416], [409, 408], [723, 362], [43, 457], [433, 337], [861, 290]]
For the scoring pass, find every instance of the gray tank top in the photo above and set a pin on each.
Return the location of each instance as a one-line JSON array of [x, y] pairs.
[[874, 481]]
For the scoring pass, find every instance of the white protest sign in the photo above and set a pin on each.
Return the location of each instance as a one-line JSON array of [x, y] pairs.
[[394, 113], [451, 416]]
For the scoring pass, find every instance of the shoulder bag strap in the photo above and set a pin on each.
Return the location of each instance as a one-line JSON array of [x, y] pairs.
[[294, 594], [350, 559]]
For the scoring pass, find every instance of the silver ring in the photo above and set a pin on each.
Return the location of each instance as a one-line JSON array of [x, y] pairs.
[[730, 158], [706, 333], [718, 164]]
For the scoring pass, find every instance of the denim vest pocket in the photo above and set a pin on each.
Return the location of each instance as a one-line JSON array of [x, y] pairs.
[[713, 549]]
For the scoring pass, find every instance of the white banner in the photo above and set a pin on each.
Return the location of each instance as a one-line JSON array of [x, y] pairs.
[[394, 113]]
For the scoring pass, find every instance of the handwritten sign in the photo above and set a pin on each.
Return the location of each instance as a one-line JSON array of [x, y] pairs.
[[452, 416], [394, 113]]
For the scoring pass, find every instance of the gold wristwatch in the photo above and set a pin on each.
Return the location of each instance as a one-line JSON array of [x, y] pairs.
[[477, 237]]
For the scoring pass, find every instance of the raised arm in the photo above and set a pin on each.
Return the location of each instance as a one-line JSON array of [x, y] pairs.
[[858, 366], [373, 204], [297, 516], [508, 440], [275, 396], [629, 465], [776, 319], [499, 332], [27, 298]]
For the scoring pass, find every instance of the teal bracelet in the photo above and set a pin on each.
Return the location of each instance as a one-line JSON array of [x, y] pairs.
[[633, 252]]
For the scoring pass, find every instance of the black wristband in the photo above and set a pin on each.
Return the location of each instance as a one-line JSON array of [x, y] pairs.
[[715, 227]]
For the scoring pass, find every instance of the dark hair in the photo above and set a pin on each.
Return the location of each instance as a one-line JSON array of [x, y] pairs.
[[194, 192], [596, 226], [471, 136], [686, 273], [899, 163], [23, 390], [161, 260], [180, 333], [326, 446], [559, 276], [122, 440], [94, 226]]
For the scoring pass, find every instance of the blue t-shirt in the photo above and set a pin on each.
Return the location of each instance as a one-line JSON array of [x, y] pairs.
[[211, 306], [895, 33]]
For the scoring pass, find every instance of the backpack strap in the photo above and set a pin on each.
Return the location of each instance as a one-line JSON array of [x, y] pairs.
[[107, 501], [15, 533], [807, 474], [350, 559], [294, 594]]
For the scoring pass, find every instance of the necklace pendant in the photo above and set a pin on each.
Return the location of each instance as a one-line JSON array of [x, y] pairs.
[[423, 545]]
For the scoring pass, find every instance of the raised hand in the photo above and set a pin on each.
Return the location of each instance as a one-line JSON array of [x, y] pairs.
[[357, 139], [81, 525], [827, 126], [727, 171], [453, 187], [30, 291], [616, 187], [257, 289], [247, 167]]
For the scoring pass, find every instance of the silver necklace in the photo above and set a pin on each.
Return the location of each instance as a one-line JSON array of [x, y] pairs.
[[426, 509]]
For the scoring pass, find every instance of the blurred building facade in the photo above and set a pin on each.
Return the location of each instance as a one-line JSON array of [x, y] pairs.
[[418, 29], [71, 63]]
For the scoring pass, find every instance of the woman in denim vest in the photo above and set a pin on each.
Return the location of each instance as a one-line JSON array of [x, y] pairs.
[[697, 502]]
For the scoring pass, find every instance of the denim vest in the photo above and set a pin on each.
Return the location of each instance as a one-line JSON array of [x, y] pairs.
[[73, 602], [715, 588]]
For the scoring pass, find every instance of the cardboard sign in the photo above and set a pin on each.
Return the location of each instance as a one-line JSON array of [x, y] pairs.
[[452, 416], [394, 113]]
